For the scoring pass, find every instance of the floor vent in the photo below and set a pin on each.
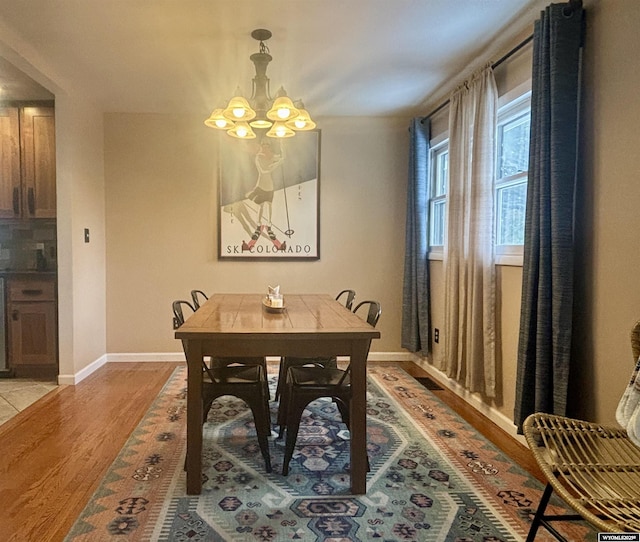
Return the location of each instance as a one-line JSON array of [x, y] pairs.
[[428, 383]]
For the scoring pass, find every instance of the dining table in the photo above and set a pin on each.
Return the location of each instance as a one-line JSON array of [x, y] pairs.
[[308, 325]]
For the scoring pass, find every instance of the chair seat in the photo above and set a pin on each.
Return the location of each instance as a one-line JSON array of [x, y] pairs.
[[311, 378], [289, 361], [217, 362], [222, 362], [233, 375], [595, 469]]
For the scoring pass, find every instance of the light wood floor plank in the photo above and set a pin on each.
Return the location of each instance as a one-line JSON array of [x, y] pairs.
[[54, 453]]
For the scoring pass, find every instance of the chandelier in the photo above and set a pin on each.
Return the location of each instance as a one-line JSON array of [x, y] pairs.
[[279, 116]]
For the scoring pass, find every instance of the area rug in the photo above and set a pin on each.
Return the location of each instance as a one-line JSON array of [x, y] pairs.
[[432, 477]]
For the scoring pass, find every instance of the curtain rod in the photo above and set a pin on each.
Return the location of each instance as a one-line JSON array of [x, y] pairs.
[[493, 66], [572, 5]]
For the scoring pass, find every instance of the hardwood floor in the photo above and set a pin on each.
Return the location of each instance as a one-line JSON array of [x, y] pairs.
[[54, 454], [498, 436]]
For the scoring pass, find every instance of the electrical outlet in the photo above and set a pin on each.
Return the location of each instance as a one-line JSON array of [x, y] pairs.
[[436, 335]]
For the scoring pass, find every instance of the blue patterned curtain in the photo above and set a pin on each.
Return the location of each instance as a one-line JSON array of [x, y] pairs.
[[415, 298], [547, 286]]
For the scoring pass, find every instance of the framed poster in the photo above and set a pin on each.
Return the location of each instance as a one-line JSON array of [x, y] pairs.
[[270, 198]]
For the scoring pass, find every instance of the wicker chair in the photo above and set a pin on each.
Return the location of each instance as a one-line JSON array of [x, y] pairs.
[[593, 468]]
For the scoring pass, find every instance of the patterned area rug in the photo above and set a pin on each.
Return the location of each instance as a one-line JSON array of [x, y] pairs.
[[432, 477]]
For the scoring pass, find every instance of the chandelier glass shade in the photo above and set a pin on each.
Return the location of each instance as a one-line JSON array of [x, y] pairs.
[[280, 117]]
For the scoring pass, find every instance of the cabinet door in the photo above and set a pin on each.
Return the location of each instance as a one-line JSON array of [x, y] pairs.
[[32, 334], [9, 163], [37, 130]]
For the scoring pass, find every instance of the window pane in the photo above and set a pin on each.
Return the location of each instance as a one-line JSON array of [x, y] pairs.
[[442, 173], [514, 147], [438, 210], [512, 201]]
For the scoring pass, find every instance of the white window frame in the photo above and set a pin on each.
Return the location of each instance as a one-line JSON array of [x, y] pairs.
[[510, 106], [437, 146]]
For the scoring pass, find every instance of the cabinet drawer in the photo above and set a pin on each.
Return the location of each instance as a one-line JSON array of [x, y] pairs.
[[31, 290]]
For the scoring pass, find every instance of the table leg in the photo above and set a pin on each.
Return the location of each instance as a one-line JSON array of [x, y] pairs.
[[194, 417], [359, 352]]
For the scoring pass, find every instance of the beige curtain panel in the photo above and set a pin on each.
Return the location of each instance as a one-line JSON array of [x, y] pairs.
[[470, 285]]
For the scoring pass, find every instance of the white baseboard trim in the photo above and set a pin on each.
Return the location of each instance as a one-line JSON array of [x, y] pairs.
[[142, 357], [179, 356], [78, 377], [473, 399]]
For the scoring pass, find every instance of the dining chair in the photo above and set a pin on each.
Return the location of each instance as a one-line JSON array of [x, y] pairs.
[[178, 307], [216, 361], [373, 310], [286, 362], [349, 296], [305, 384], [247, 382], [196, 295]]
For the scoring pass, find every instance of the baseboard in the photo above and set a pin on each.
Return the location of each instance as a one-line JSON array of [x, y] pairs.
[[143, 357], [472, 399], [179, 356], [78, 377]]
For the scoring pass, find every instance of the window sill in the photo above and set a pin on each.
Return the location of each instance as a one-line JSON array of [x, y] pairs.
[[512, 260], [507, 260]]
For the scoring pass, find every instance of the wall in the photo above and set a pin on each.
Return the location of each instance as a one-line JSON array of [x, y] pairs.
[[609, 296], [161, 201], [81, 266]]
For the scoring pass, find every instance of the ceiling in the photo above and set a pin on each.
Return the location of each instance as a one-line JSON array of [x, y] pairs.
[[343, 57]]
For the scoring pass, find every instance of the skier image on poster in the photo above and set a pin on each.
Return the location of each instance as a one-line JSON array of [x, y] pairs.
[[269, 197], [262, 194]]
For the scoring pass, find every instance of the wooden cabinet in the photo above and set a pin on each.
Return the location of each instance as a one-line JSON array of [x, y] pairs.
[[10, 176], [27, 162], [32, 328]]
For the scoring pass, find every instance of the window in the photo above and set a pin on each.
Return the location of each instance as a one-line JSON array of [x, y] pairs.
[[512, 163], [438, 200]]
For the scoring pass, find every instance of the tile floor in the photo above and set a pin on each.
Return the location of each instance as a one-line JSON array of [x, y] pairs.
[[16, 394]]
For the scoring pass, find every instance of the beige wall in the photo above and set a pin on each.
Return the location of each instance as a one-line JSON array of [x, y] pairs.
[[81, 266], [162, 224], [609, 300]]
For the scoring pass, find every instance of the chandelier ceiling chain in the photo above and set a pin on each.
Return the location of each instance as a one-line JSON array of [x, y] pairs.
[[279, 116]]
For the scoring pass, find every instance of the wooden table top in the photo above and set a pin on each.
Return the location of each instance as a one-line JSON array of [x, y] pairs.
[[235, 315]]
